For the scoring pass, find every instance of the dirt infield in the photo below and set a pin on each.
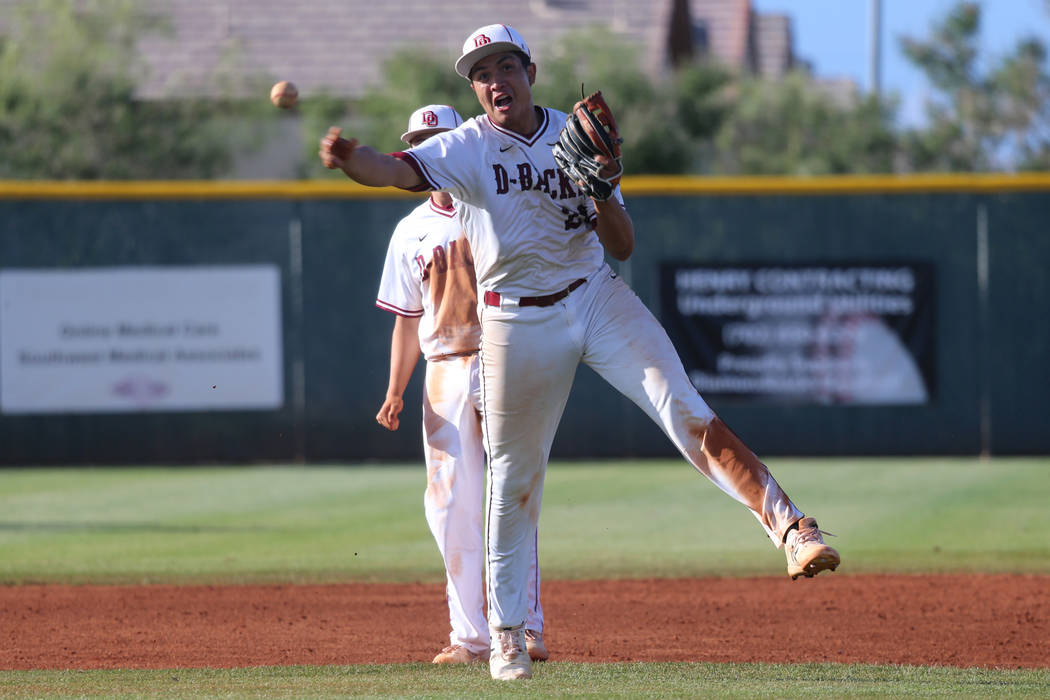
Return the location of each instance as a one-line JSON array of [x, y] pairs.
[[971, 620]]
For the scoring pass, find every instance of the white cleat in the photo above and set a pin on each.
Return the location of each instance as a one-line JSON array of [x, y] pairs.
[[508, 655], [457, 654], [807, 555], [535, 646]]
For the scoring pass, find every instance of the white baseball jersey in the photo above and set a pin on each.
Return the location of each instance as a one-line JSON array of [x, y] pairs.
[[429, 273], [545, 237], [532, 234]]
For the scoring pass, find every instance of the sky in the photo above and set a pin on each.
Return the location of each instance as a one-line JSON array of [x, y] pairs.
[[833, 36]]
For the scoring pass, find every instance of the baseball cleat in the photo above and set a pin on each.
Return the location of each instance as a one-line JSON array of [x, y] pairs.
[[807, 555], [535, 646], [508, 657], [457, 654]]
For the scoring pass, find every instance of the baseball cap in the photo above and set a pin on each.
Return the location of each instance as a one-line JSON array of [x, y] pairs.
[[432, 118], [490, 39]]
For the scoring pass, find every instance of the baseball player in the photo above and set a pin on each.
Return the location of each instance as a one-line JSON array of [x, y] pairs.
[[547, 301], [429, 283]]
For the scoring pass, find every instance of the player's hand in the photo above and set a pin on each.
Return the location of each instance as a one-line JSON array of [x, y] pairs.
[[610, 168], [335, 150], [388, 414]]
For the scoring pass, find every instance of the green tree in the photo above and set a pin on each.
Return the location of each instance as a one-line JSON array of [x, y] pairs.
[[994, 118], [1026, 104], [69, 104], [379, 116], [411, 80], [795, 127], [666, 126]]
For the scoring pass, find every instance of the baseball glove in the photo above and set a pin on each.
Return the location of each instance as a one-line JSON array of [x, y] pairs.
[[590, 131]]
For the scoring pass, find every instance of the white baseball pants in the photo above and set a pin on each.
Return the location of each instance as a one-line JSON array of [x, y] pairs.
[[529, 357], [454, 498]]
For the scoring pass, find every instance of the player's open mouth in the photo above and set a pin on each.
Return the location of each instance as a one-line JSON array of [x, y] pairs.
[[502, 102]]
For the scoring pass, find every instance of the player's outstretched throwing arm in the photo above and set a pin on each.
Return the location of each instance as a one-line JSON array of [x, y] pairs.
[[365, 165]]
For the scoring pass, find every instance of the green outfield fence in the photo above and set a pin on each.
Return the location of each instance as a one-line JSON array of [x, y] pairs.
[[986, 238]]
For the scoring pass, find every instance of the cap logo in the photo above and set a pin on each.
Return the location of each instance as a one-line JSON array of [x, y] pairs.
[[481, 40], [429, 118]]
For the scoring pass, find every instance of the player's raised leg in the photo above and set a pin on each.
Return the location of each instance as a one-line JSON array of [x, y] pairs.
[[625, 336]]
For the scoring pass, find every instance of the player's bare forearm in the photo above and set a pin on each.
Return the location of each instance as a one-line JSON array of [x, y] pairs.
[[615, 229], [370, 167], [364, 164], [404, 354]]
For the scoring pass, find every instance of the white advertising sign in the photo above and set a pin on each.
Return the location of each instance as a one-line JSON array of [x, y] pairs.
[[132, 339]]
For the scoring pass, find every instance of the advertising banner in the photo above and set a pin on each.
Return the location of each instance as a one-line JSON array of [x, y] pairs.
[[823, 333], [131, 339]]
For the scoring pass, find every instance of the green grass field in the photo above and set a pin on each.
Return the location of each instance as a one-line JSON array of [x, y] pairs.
[[552, 679], [609, 519]]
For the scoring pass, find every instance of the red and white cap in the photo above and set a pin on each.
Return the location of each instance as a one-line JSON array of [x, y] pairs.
[[490, 39], [430, 120]]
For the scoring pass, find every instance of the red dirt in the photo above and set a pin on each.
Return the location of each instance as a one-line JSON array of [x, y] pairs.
[[1000, 621]]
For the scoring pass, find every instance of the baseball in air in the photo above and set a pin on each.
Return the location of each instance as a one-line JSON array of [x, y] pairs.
[[284, 94]]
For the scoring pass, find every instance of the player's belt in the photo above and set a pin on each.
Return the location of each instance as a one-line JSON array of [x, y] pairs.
[[495, 298]]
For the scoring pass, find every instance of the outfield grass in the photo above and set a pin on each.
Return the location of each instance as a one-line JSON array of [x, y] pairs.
[[620, 680], [620, 519]]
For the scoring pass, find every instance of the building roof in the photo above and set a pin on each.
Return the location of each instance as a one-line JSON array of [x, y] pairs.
[[339, 45]]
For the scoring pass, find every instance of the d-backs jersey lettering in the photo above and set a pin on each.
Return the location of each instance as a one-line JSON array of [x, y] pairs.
[[530, 228]]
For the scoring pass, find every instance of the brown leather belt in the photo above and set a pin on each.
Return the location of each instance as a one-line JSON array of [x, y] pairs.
[[494, 298]]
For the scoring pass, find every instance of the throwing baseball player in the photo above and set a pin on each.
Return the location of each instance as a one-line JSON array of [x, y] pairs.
[[539, 228], [429, 283]]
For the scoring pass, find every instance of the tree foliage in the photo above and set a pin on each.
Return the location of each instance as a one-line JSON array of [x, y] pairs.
[[69, 107], [701, 119], [793, 127], [666, 127], [986, 113], [380, 115]]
